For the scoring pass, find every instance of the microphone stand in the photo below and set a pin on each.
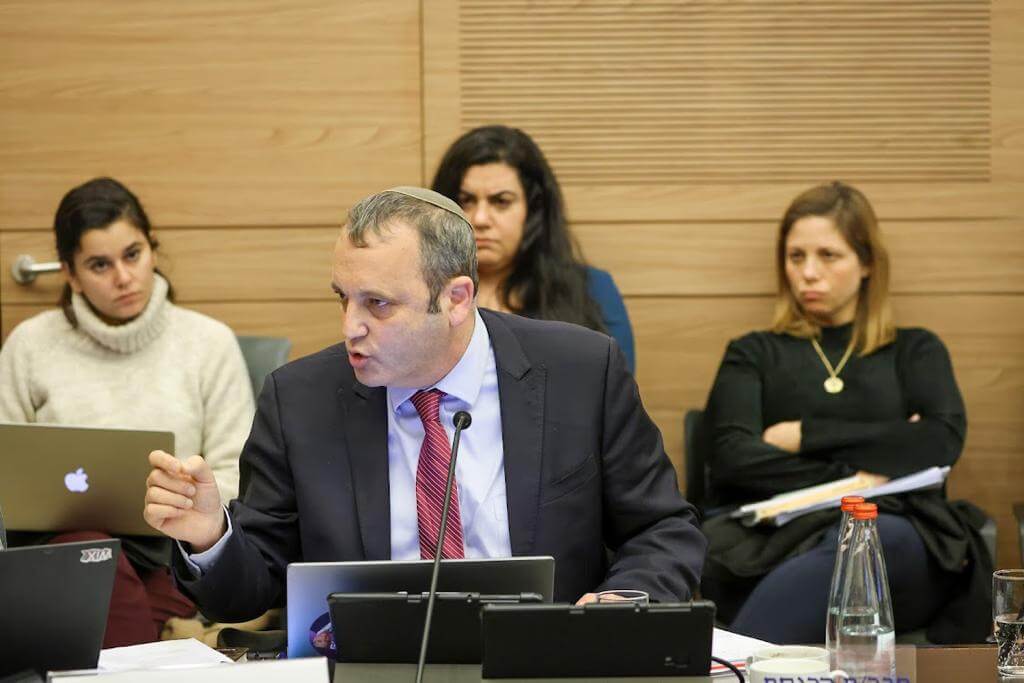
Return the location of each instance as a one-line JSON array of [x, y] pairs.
[[461, 421]]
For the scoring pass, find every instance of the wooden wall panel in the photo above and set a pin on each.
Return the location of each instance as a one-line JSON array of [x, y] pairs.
[[1008, 93], [705, 110], [711, 92], [215, 113], [209, 264], [663, 259], [999, 199], [669, 258]]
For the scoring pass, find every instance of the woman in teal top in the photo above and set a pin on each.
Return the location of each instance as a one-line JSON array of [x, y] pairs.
[[528, 261]]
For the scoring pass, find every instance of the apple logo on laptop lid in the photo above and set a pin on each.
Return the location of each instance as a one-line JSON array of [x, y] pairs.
[[77, 481]]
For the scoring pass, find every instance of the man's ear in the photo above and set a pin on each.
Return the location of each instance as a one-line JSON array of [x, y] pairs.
[[71, 278], [459, 294]]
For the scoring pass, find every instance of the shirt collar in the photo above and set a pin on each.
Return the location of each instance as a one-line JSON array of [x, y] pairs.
[[463, 382]]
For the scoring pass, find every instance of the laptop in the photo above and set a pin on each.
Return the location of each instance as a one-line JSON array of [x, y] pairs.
[[309, 583], [77, 478], [54, 601]]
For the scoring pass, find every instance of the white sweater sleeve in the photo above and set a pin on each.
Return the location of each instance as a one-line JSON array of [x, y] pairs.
[[228, 410], [15, 377]]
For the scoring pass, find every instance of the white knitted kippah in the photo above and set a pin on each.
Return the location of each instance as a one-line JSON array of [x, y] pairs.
[[434, 198]]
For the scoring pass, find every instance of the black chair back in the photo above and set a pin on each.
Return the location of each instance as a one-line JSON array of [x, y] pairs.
[[696, 451]]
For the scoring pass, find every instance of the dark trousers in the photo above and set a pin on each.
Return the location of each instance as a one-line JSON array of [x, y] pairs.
[[142, 599], [789, 604]]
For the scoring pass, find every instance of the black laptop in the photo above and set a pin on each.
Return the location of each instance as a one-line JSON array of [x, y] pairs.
[[54, 601]]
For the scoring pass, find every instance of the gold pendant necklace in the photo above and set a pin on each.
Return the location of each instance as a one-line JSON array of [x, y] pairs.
[[833, 384]]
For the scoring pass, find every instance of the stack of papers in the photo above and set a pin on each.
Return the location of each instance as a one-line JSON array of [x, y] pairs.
[[162, 655], [734, 648], [174, 661], [183, 653], [786, 507]]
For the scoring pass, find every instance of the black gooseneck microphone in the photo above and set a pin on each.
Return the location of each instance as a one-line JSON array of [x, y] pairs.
[[461, 421]]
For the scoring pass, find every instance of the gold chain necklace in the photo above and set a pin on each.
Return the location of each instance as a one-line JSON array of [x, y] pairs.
[[833, 384]]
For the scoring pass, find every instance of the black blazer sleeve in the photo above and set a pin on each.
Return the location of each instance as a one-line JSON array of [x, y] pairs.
[[248, 577], [652, 531]]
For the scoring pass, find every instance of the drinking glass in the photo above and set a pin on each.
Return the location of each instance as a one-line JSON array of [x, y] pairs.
[[1008, 613]]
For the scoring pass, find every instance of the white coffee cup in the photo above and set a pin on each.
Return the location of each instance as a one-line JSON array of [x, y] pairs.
[[790, 652], [792, 669]]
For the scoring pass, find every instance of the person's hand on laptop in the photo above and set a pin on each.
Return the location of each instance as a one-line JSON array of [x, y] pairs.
[[182, 500]]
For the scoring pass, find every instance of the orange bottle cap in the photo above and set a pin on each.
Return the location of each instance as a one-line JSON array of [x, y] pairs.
[[849, 501], [865, 511]]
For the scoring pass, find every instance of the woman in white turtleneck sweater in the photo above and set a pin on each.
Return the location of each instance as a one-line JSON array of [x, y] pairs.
[[119, 353]]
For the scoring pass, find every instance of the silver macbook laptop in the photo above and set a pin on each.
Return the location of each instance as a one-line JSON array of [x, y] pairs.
[[77, 478], [309, 584]]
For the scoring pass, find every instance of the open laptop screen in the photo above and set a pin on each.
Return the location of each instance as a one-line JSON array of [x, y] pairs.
[[77, 478]]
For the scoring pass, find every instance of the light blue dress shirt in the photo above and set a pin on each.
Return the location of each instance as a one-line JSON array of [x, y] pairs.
[[472, 385]]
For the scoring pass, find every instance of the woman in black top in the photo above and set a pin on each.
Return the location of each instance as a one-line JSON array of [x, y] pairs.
[[833, 389]]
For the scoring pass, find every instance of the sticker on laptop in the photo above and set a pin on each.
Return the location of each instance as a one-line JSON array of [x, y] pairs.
[[96, 555], [321, 635]]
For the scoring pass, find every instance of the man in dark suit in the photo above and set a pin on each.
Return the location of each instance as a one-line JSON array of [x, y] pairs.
[[349, 444]]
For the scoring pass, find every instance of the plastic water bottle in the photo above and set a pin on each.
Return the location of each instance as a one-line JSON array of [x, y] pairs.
[[838, 575], [866, 637]]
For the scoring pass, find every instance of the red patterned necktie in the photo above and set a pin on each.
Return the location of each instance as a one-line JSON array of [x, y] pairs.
[[431, 476]]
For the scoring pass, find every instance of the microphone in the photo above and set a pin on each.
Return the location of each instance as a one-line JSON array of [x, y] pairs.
[[3, 529], [460, 421]]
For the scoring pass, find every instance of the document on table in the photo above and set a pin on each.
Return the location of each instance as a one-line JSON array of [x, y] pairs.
[[733, 648], [163, 655], [307, 670], [187, 652]]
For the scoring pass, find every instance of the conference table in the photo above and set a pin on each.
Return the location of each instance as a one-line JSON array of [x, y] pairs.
[[945, 664], [925, 664]]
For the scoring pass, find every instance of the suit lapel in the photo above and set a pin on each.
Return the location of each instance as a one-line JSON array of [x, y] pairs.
[[521, 393], [366, 435]]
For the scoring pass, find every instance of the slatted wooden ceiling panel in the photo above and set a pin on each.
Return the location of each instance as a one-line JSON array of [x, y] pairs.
[[710, 91]]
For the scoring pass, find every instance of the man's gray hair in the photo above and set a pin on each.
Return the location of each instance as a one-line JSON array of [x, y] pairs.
[[447, 243]]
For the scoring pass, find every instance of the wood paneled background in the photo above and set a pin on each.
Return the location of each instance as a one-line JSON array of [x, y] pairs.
[[679, 129]]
